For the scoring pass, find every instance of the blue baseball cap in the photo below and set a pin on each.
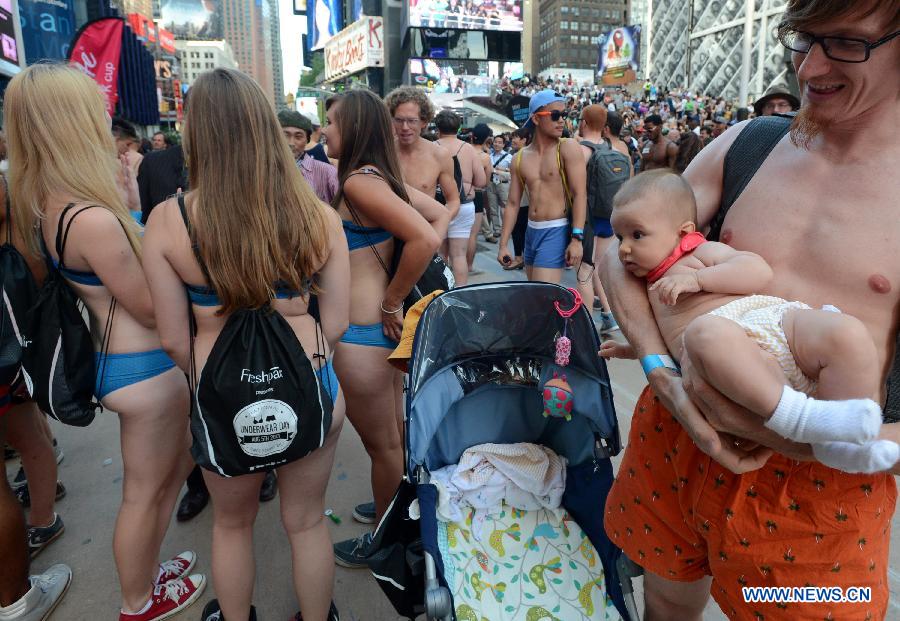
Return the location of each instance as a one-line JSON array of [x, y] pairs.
[[538, 101]]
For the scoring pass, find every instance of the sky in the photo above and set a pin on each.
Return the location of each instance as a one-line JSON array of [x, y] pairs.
[[292, 27]]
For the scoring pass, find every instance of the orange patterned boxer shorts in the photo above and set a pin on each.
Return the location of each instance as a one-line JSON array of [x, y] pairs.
[[682, 516]]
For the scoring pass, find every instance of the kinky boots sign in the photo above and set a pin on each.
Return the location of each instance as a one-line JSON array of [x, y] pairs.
[[355, 48]]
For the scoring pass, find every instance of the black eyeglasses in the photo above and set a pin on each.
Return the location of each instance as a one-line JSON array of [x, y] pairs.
[[554, 115], [841, 49]]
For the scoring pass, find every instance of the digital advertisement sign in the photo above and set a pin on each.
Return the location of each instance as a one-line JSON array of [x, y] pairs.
[[10, 39], [504, 15], [192, 19], [619, 55]]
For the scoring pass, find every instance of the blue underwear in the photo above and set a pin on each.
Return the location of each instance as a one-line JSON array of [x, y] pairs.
[[602, 227], [546, 246], [369, 336], [123, 370], [329, 380]]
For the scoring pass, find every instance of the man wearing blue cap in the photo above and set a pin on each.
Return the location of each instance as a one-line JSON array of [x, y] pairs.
[[553, 172]]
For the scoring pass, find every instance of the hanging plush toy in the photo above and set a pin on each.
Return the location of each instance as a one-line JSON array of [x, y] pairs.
[[563, 342], [558, 398]]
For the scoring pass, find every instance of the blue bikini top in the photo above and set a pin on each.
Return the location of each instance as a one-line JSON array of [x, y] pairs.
[[359, 236], [82, 278], [201, 295]]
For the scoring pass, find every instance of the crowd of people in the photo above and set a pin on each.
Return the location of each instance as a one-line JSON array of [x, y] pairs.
[[219, 255]]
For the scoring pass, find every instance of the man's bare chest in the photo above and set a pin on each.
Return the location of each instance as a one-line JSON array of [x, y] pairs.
[[421, 171]]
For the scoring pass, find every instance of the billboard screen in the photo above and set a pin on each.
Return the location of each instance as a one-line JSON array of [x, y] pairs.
[[619, 55], [466, 14], [323, 22], [192, 19], [10, 40]]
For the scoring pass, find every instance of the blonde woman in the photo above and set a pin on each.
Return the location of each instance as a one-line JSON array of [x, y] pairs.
[[264, 238], [56, 182]]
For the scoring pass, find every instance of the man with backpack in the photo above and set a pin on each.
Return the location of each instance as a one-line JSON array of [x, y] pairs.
[[553, 172], [468, 175], [725, 503], [607, 170]]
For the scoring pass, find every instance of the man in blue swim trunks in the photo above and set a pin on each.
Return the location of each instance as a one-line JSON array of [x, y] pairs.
[[553, 172]]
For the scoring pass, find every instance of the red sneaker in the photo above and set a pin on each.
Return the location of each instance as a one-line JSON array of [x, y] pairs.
[[176, 567], [169, 599]]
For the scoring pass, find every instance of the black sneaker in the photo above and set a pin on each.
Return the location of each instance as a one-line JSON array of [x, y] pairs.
[[364, 513], [58, 452], [269, 487], [212, 612], [332, 614], [39, 537], [597, 305], [9, 453], [352, 553], [24, 496]]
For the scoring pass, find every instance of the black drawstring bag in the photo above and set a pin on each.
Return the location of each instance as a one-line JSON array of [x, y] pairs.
[[19, 291], [437, 274], [256, 403], [58, 360]]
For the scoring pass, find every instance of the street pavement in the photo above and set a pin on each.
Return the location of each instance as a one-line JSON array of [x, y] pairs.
[[92, 473]]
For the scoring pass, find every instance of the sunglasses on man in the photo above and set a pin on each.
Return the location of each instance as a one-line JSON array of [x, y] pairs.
[[554, 115]]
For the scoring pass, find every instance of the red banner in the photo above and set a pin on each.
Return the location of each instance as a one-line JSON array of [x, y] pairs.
[[96, 52]]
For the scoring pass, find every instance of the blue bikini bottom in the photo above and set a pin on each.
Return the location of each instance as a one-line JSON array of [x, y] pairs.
[[121, 370], [371, 335]]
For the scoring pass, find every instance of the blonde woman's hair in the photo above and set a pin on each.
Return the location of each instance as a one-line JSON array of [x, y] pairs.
[[60, 144], [255, 220]]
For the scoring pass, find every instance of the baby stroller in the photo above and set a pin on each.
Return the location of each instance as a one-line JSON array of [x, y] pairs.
[[480, 357]]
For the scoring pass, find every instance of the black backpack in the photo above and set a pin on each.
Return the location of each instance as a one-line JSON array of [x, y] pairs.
[[19, 292], [256, 403], [458, 178], [437, 274], [58, 358], [607, 171]]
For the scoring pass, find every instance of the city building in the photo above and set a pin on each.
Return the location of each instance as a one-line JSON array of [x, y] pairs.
[[195, 57], [531, 35], [144, 7], [247, 26], [277, 67], [569, 31], [703, 44]]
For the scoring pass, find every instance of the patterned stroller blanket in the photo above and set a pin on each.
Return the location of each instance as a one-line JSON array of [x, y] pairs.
[[535, 565]]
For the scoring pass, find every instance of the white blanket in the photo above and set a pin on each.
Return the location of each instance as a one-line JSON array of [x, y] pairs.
[[524, 476]]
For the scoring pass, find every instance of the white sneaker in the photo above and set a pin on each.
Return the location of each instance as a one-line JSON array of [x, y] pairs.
[[46, 592]]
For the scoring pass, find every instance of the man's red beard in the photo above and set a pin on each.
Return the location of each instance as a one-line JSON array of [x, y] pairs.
[[806, 126]]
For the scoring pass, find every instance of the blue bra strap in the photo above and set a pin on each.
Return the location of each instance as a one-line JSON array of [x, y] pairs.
[[362, 236]]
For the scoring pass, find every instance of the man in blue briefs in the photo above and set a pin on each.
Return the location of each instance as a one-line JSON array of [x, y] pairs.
[[553, 171]]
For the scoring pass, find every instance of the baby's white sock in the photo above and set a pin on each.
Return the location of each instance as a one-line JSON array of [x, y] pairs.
[[801, 418], [873, 456]]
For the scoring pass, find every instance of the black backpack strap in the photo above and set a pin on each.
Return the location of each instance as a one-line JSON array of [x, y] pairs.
[[62, 233], [8, 211], [190, 231], [746, 154]]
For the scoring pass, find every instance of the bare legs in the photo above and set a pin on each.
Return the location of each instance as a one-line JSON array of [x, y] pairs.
[[29, 434], [472, 244], [666, 599], [235, 505], [14, 568], [370, 387], [458, 261], [835, 349], [155, 441]]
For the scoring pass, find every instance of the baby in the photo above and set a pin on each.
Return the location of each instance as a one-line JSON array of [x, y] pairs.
[[769, 355]]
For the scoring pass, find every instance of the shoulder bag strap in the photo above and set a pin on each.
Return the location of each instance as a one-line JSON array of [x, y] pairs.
[[562, 175], [746, 154], [62, 233], [358, 222], [190, 231], [517, 164]]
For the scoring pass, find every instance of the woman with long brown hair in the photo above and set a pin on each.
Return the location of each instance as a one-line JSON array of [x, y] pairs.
[[64, 174], [251, 234], [375, 206]]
